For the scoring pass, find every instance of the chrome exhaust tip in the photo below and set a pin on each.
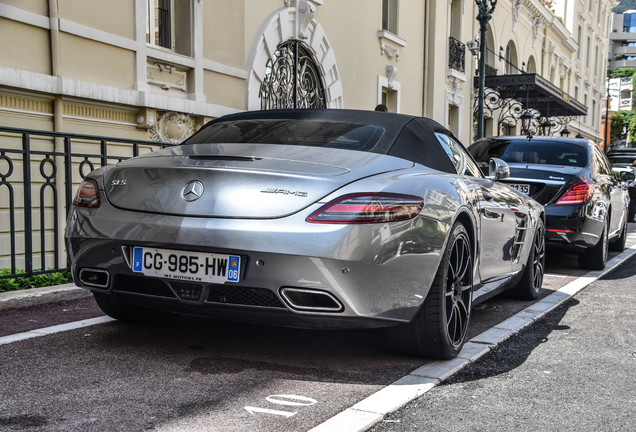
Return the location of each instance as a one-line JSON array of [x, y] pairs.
[[92, 277], [304, 299]]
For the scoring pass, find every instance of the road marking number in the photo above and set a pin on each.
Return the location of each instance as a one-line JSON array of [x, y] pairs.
[[285, 400]]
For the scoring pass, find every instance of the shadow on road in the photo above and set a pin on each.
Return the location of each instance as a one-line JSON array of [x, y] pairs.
[[508, 356]]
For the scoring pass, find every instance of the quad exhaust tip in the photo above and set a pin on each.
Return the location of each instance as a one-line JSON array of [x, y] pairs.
[[97, 278], [305, 299]]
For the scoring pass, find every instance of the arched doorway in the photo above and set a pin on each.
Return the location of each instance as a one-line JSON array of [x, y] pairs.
[[279, 29], [292, 79]]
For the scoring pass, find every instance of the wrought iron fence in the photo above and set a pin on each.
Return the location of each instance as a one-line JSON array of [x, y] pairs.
[[37, 173]]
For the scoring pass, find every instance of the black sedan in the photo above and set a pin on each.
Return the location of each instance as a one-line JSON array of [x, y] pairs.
[[585, 205]]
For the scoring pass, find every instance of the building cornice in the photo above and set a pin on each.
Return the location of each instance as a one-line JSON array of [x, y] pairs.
[[536, 9], [47, 84]]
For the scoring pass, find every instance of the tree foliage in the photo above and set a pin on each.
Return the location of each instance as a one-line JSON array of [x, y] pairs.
[[622, 72], [631, 131], [624, 5], [618, 122]]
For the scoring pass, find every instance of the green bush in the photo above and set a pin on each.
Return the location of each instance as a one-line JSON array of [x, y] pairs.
[[35, 281]]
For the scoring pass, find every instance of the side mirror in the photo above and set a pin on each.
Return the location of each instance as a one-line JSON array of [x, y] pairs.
[[498, 169], [627, 176]]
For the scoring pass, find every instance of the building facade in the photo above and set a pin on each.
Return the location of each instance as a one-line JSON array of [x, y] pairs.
[[623, 40], [157, 70]]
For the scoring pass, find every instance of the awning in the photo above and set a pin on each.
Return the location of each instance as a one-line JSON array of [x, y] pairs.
[[535, 92]]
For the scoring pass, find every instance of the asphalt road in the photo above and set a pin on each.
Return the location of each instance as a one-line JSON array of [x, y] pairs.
[[574, 370], [202, 375]]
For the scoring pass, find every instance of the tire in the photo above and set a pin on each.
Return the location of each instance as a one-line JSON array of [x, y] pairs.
[[595, 257], [121, 310], [529, 286], [618, 245], [439, 329]]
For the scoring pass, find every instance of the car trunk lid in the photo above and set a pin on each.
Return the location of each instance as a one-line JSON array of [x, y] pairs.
[[546, 182], [238, 180]]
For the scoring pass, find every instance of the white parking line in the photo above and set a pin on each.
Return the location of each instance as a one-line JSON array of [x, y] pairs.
[[374, 408], [54, 329]]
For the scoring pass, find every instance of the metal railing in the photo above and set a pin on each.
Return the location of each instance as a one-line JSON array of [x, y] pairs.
[[456, 55], [62, 158]]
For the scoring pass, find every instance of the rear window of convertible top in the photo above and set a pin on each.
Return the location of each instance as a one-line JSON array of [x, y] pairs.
[[292, 132]]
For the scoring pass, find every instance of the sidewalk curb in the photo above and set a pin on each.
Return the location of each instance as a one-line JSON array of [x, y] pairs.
[[39, 296], [369, 412]]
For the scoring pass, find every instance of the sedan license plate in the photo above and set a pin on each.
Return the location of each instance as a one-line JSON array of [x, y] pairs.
[[525, 188], [187, 266]]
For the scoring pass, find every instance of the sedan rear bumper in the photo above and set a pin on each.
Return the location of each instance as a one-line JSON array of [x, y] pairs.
[[574, 226]]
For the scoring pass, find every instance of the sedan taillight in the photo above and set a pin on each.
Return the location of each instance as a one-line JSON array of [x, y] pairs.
[[363, 208], [579, 193], [87, 194]]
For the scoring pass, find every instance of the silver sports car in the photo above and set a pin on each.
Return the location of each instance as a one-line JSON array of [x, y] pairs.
[[324, 218]]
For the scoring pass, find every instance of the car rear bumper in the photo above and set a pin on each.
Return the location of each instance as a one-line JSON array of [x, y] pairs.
[[331, 276], [573, 226]]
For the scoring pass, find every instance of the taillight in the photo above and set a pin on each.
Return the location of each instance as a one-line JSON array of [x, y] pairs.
[[579, 193], [363, 208], [88, 194]]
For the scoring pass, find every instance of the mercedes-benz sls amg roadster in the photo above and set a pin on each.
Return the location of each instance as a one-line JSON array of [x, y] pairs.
[[321, 218]]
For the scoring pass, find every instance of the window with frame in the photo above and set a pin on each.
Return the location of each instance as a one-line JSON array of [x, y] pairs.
[[390, 16], [169, 25], [458, 155], [603, 164]]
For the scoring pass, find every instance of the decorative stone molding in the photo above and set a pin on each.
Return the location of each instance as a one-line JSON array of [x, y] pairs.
[[172, 127], [166, 76], [26, 104], [536, 26], [390, 53], [516, 9], [280, 27], [391, 71], [390, 44], [304, 15], [146, 118], [100, 113], [565, 69]]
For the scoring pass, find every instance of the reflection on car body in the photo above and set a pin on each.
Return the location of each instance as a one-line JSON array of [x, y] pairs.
[[585, 205]]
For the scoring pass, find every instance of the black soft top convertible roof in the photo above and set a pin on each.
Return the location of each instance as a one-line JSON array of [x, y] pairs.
[[405, 136]]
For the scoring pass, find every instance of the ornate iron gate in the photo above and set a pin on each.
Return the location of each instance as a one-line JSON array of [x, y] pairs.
[[292, 79]]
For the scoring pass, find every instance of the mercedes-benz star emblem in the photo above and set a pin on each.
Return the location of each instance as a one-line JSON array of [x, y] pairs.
[[192, 191]]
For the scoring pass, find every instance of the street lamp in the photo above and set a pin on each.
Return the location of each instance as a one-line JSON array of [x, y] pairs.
[[565, 132], [486, 8], [546, 127], [526, 121]]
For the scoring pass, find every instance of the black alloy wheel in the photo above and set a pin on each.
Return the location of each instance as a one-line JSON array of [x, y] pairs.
[[595, 257], [529, 286], [459, 291], [439, 329], [619, 244]]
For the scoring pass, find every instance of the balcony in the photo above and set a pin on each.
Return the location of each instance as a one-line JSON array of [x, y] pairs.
[[456, 55]]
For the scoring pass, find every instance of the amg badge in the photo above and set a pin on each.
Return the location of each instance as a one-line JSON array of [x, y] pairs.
[[284, 192]]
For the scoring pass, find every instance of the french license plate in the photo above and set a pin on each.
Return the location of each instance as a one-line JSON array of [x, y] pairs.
[[186, 266], [525, 188]]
